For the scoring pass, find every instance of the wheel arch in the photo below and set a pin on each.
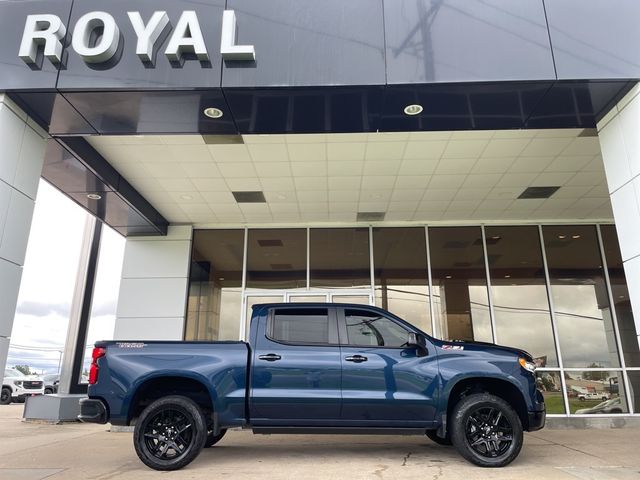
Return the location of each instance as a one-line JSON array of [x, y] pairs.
[[160, 386], [500, 387]]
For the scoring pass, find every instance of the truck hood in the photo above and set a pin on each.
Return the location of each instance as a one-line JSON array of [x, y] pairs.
[[456, 345]]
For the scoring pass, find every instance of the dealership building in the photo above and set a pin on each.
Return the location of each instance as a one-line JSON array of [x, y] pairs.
[[471, 166]]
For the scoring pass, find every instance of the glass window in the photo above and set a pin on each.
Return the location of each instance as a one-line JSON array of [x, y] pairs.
[[277, 258], [215, 285], [595, 392], [401, 275], [550, 385], [370, 329], [620, 296], [460, 298], [519, 291], [339, 257], [583, 315], [634, 386], [301, 325]]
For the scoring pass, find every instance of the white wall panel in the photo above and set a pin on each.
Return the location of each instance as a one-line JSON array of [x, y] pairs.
[[10, 275], [152, 297], [148, 259], [614, 154], [13, 245], [132, 328]]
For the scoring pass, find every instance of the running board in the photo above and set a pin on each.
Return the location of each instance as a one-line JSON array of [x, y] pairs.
[[339, 430]]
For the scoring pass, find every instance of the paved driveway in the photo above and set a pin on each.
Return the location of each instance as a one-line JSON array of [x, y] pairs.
[[75, 451]]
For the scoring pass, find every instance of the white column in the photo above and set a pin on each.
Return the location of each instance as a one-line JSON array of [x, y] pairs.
[[153, 290], [619, 133], [22, 147]]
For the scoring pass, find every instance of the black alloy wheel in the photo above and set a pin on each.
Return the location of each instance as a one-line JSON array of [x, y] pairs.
[[486, 430], [170, 433], [5, 396]]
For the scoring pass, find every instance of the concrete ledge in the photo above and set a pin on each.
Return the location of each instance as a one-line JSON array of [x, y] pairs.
[[57, 408], [571, 423]]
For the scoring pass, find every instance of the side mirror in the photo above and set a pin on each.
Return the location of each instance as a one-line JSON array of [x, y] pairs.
[[417, 341]]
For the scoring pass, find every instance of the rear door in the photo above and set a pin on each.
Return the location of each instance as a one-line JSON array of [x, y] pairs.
[[384, 382], [296, 367]]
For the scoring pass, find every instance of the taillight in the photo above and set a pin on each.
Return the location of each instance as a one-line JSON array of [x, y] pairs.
[[93, 371]]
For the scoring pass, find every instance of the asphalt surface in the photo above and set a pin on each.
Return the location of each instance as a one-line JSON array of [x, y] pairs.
[[75, 451]]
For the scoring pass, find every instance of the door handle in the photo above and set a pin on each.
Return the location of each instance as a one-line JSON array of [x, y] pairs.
[[356, 359], [270, 357]]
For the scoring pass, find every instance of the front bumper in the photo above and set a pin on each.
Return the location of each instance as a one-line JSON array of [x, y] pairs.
[[92, 411], [537, 420]]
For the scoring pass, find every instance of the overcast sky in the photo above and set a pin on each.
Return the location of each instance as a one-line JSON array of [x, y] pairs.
[[48, 281]]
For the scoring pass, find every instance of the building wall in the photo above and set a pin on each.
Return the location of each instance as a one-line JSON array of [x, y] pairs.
[[22, 145], [153, 290], [619, 133]]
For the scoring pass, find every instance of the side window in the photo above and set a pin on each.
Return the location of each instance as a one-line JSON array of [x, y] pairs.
[[300, 325], [370, 329]]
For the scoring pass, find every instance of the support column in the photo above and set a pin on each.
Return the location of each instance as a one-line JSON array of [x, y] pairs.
[[22, 147], [619, 133], [153, 290]]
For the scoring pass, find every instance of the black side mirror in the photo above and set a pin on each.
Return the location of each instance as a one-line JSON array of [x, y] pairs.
[[419, 342]]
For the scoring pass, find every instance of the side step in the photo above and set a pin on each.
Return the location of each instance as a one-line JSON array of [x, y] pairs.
[[339, 430]]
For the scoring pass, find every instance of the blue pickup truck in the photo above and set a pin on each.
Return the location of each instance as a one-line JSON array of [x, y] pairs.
[[324, 368]]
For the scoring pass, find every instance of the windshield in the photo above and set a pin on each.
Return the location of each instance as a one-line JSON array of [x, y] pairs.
[[12, 372]]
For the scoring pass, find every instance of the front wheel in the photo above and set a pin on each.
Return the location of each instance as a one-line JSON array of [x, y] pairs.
[[5, 396], [486, 430], [170, 433]]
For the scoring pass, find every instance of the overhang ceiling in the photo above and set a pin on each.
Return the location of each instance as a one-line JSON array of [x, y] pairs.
[[411, 177]]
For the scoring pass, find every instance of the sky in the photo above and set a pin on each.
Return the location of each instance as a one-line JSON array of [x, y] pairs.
[[48, 281]]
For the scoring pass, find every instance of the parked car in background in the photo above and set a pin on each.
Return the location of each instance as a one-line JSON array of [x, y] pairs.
[[593, 396], [51, 382], [16, 386], [610, 406]]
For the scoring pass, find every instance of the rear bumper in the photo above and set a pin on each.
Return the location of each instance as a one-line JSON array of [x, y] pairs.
[[92, 411], [537, 420]]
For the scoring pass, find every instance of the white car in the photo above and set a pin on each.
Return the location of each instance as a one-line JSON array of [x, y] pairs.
[[16, 386], [593, 396]]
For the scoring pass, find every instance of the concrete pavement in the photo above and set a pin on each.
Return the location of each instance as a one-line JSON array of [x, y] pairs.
[[76, 451]]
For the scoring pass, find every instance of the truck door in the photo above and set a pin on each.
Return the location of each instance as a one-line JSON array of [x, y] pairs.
[[295, 378], [384, 382]]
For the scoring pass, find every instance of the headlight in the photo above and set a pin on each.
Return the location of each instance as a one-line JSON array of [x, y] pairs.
[[528, 366], [18, 383]]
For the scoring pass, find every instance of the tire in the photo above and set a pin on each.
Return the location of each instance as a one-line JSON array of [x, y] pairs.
[[213, 439], [433, 436], [170, 433], [582, 399], [48, 391], [5, 396], [480, 415]]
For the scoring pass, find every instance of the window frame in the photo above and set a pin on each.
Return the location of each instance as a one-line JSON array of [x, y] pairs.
[[344, 336], [333, 326]]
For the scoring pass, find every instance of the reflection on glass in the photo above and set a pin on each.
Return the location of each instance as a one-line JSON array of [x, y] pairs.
[[277, 258], [215, 285], [357, 299], [634, 387], [550, 384], [620, 296], [518, 286], [105, 294], [595, 392], [461, 304], [583, 315], [307, 298], [339, 257], [400, 274]]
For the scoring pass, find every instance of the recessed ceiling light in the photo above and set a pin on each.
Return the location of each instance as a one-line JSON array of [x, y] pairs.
[[94, 196], [496, 237], [562, 237], [575, 236], [221, 278], [507, 276], [213, 112], [448, 276], [186, 197], [414, 109]]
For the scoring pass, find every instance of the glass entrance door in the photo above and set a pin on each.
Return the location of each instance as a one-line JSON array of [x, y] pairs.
[[360, 297]]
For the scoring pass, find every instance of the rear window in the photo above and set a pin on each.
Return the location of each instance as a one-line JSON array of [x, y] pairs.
[[300, 325]]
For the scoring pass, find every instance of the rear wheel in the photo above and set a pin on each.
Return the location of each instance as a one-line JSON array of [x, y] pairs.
[[433, 436], [170, 433], [486, 430], [5, 396]]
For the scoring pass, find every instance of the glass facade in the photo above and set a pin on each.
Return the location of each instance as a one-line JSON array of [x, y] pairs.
[[557, 291]]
